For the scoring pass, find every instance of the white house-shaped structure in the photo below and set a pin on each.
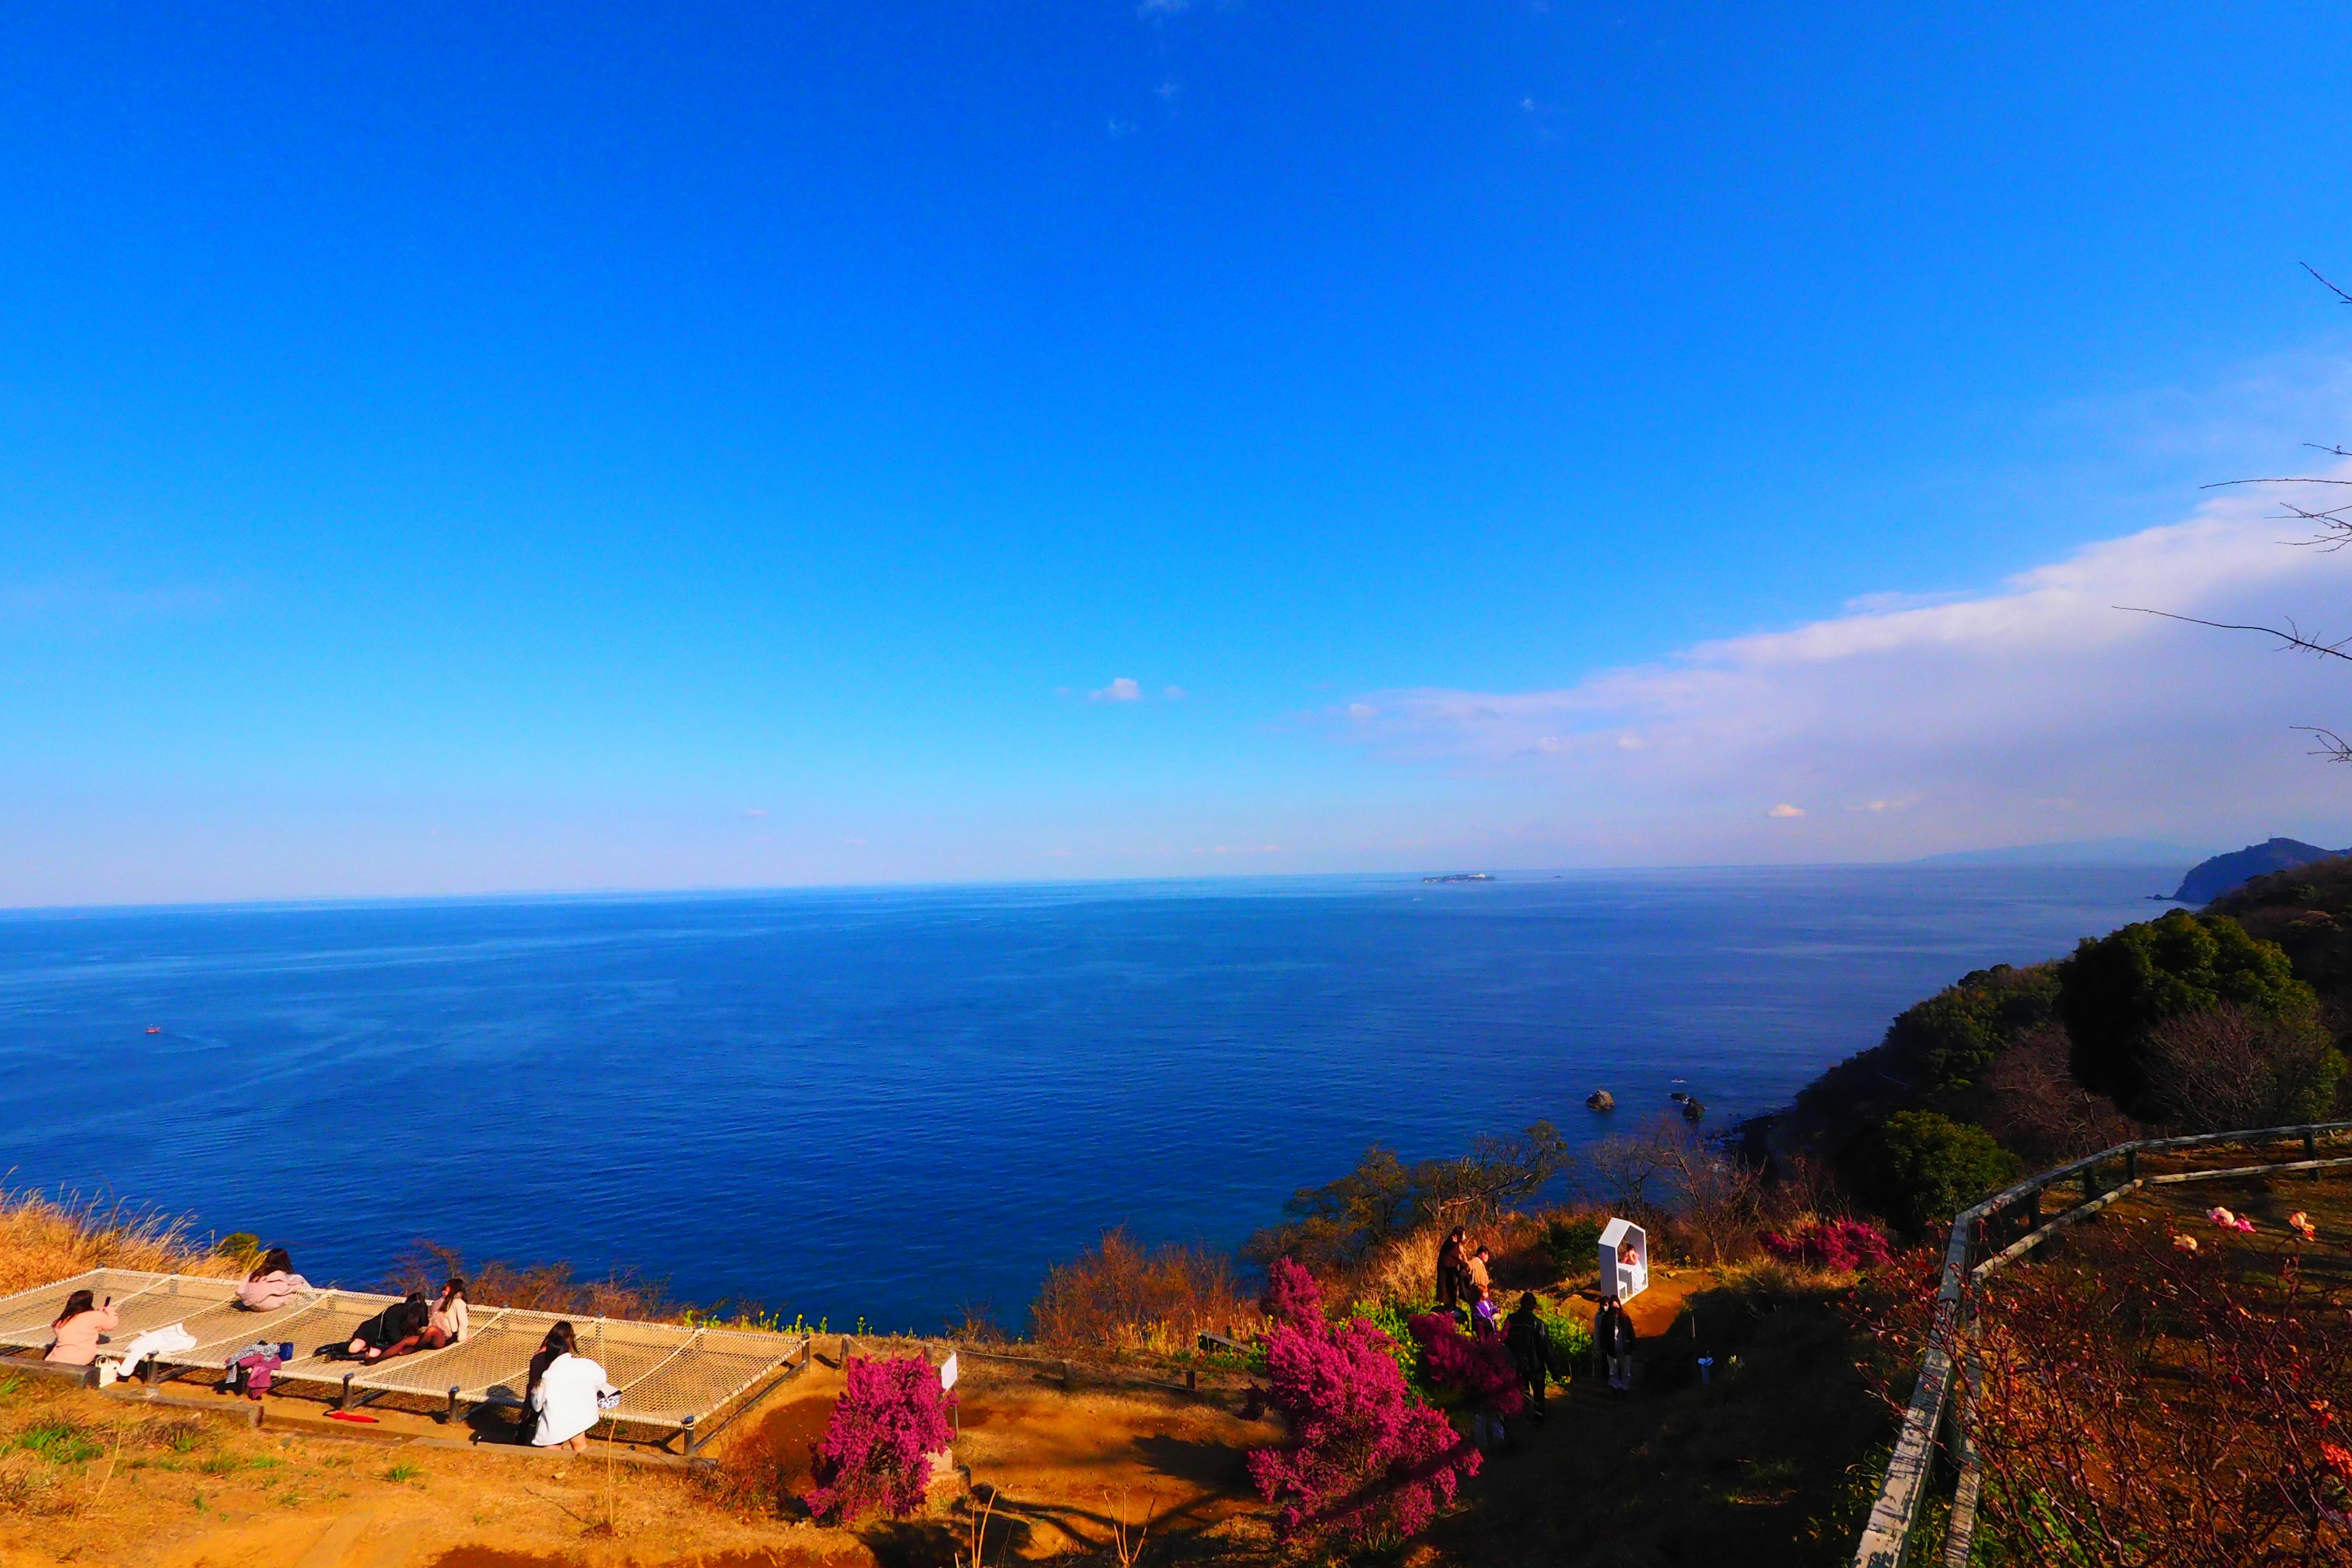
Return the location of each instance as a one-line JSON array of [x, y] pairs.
[[1629, 1275]]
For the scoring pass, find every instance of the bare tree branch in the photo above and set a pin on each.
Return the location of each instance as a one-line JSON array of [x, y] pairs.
[[2332, 746], [2273, 479], [2293, 637], [2341, 296]]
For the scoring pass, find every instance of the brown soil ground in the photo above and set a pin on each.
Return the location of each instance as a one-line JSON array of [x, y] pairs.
[[167, 1486], [1674, 1472]]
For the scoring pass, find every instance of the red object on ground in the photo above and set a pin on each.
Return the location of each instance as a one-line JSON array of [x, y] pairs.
[[349, 1416]]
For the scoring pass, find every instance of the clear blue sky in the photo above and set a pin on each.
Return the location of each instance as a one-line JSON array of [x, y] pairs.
[[463, 448]]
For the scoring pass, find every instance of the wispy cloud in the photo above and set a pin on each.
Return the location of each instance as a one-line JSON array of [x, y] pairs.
[[1123, 689], [2036, 708]]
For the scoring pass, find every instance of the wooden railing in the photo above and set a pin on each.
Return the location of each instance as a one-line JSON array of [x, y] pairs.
[[1995, 1232]]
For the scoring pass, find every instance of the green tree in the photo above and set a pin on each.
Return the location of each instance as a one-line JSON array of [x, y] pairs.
[[1951, 1039], [2115, 990], [1338, 1224], [1918, 1167]]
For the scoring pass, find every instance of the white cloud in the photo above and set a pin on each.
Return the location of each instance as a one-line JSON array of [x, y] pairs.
[[2038, 709], [1174, 693], [1785, 809], [1124, 690]]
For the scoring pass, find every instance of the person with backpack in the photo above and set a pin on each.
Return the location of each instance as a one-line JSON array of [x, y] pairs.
[[1524, 1337]]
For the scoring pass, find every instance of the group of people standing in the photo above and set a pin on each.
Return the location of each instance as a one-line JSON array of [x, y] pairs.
[[1465, 1289], [566, 1393]]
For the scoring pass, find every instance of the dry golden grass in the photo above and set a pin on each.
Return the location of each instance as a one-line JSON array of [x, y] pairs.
[[42, 1239]]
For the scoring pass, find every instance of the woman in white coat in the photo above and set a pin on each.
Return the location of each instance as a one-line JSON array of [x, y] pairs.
[[565, 1391]]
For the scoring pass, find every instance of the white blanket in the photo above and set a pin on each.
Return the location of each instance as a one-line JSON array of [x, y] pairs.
[[154, 1341]]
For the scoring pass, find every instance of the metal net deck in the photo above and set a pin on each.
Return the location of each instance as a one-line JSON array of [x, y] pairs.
[[669, 1374]]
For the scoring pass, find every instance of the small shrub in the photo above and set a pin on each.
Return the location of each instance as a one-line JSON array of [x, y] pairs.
[[1395, 1321], [60, 1442], [1121, 1296], [1477, 1372], [1366, 1464], [181, 1433], [1572, 1341], [1292, 1296], [1574, 1241], [876, 1454], [1919, 1167], [1848, 1246], [402, 1471]]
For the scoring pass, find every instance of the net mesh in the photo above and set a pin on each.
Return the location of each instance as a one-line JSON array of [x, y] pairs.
[[667, 1373]]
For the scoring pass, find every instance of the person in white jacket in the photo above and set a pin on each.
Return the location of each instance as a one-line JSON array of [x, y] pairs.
[[565, 1389]]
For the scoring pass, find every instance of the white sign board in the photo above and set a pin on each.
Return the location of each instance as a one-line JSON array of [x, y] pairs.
[[947, 1372]]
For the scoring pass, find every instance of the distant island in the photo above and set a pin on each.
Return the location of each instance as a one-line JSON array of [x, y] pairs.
[[1461, 877], [2208, 879], [2075, 852]]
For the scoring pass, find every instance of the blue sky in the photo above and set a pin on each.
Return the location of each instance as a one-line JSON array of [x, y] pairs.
[[691, 445]]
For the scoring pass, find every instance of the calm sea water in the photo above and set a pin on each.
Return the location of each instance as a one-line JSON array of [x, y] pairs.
[[900, 1103]]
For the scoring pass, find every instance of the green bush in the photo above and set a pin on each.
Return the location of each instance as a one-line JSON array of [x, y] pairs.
[[2115, 991], [1572, 1341], [1951, 1039], [1917, 1168], [1391, 1318], [1573, 1241]]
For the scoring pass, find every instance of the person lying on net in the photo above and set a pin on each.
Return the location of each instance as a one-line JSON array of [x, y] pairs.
[[397, 1330]]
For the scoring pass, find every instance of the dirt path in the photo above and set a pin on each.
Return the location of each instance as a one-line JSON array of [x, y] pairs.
[[85, 1480]]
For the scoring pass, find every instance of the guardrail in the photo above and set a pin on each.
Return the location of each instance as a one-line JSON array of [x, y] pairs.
[[1989, 1236]]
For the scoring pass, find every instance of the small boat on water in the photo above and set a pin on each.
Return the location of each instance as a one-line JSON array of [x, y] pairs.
[[154, 1028]]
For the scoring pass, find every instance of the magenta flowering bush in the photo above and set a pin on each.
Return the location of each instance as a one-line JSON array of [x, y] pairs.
[[1366, 1462], [876, 1453], [1291, 1294], [1477, 1369], [1848, 1244]]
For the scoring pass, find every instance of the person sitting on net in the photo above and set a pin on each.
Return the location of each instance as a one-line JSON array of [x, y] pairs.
[[81, 1329], [567, 1392], [447, 1325], [272, 1284]]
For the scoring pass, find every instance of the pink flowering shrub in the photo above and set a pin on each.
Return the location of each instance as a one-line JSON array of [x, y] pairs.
[[1291, 1294], [1477, 1369], [1846, 1244], [1366, 1463], [876, 1454]]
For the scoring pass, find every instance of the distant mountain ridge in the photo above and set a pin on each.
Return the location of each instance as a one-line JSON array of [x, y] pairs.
[[2208, 879], [2074, 852]]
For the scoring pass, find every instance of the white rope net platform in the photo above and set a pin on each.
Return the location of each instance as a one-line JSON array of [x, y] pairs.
[[669, 1374]]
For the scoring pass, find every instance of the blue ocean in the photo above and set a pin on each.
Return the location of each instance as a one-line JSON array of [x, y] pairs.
[[899, 1104]]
